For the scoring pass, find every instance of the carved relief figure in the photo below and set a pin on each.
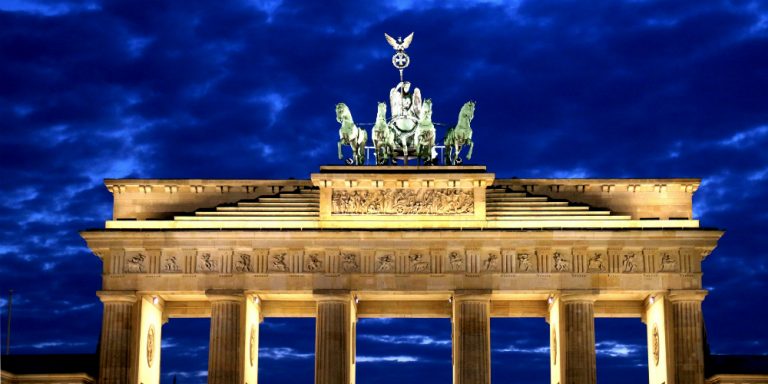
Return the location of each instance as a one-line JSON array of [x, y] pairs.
[[349, 263], [403, 202], [554, 347], [314, 263], [150, 345], [561, 264], [655, 344], [456, 260], [278, 263], [171, 264], [385, 263], [207, 263], [628, 265], [243, 263], [524, 263], [135, 263], [491, 263], [418, 264], [252, 346], [668, 263], [595, 263]]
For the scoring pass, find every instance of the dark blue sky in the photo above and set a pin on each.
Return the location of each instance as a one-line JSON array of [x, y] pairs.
[[246, 89]]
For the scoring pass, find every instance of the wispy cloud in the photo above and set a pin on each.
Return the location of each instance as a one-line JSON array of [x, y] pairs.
[[406, 339], [284, 353], [617, 349], [387, 359]]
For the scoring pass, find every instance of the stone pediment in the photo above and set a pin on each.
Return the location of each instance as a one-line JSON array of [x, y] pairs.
[[464, 197]]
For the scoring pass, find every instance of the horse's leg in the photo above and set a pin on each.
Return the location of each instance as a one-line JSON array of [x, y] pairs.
[[340, 156], [405, 151], [471, 146]]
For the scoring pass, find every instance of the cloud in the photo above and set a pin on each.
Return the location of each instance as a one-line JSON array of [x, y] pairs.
[[284, 353], [617, 349], [405, 339], [514, 349], [386, 359]]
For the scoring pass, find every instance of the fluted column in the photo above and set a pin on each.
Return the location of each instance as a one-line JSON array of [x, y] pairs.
[[471, 328], [688, 336], [572, 339], [117, 336], [334, 338], [226, 351]]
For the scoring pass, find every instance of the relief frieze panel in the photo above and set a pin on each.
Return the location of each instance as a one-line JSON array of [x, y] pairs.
[[207, 261], [480, 260], [314, 261], [418, 262], [171, 261], [431, 201]]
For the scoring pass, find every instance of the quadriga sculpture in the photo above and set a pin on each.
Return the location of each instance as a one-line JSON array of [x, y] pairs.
[[383, 137], [460, 135], [350, 134], [425, 135]]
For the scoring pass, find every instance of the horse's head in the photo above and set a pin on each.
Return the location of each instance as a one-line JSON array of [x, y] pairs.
[[342, 112], [426, 110], [468, 110], [381, 113]]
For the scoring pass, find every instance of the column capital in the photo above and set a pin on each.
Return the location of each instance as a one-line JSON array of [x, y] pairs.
[[332, 295], [686, 295], [225, 295], [577, 296], [472, 295], [117, 296]]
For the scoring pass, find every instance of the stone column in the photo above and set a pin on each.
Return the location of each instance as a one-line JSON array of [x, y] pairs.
[[687, 336], [117, 336], [675, 337], [226, 352], [471, 328], [334, 338], [149, 323], [572, 339]]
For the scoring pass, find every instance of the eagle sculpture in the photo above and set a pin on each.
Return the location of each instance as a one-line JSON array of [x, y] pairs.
[[400, 44]]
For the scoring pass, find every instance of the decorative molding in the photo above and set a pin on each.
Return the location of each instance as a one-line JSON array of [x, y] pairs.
[[403, 202]]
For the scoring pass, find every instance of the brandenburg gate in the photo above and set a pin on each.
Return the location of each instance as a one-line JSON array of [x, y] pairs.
[[362, 241]]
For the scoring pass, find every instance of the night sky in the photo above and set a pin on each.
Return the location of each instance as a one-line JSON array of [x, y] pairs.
[[226, 89]]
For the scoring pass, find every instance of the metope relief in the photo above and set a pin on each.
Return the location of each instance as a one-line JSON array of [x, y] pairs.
[[314, 262], [456, 260], [403, 202], [491, 262], [668, 262], [596, 262], [418, 263], [243, 262], [385, 263], [170, 264], [629, 264], [207, 261], [278, 261], [135, 262], [561, 263], [350, 262], [525, 262]]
